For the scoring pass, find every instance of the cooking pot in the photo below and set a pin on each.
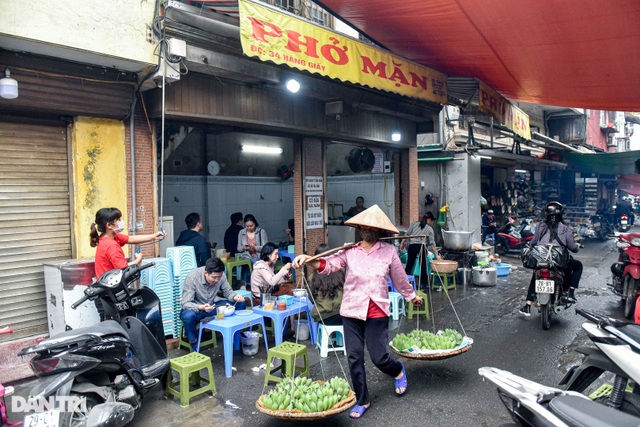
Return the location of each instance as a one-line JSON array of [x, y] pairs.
[[457, 240]]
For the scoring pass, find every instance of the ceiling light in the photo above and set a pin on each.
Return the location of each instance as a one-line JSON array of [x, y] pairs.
[[520, 171], [293, 85], [261, 149], [8, 86], [396, 135]]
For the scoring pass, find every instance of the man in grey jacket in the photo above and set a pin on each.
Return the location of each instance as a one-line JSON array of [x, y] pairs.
[[200, 296]]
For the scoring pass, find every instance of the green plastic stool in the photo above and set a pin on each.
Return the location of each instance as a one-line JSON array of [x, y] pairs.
[[423, 309], [448, 281], [288, 352], [188, 368], [184, 343]]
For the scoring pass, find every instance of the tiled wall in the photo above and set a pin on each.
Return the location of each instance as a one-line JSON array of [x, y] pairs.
[[270, 200], [345, 189]]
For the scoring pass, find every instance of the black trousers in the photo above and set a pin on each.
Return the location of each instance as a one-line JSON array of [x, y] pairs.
[[412, 255], [573, 273], [375, 332]]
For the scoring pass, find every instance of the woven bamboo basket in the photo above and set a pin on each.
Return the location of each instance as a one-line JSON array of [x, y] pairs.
[[296, 414], [444, 266], [437, 356]]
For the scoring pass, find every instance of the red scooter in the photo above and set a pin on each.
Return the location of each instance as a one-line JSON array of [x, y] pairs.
[[512, 238], [626, 272]]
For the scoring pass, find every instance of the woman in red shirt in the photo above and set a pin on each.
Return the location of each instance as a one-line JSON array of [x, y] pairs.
[[109, 242]]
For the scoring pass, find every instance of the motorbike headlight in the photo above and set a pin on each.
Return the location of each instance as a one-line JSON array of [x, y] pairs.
[[622, 245], [635, 241]]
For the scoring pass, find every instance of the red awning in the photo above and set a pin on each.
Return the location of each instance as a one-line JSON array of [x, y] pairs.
[[574, 53]]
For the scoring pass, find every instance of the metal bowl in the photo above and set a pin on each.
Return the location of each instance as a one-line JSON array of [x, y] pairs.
[[457, 240]]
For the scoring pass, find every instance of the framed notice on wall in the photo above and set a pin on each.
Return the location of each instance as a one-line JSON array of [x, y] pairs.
[[313, 202], [313, 185], [314, 219]]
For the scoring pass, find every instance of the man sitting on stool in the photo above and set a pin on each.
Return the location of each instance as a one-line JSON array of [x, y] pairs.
[[200, 296]]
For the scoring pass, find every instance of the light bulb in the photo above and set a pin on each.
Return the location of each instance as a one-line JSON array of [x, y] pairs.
[[8, 86]]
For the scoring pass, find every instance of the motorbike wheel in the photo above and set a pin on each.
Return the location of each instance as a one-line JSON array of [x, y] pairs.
[[545, 316], [630, 403], [630, 287], [502, 245], [78, 417]]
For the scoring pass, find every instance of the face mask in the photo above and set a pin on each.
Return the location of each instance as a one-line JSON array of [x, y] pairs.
[[368, 235], [119, 226]]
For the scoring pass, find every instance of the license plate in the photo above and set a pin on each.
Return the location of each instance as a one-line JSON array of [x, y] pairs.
[[544, 286], [596, 224], [43, 419], [623, 222]]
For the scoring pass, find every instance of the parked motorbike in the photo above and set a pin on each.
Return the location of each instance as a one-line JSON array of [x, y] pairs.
[[533, 404], [622, 224], [626, 272], [602, 226], [514, 238], [548, 262], [109, 366], [617, 350]]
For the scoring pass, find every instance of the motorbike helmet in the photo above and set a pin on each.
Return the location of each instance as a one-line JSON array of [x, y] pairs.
[[554, 208]]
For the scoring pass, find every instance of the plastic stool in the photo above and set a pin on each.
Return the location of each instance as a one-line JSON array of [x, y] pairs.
[[446, 280], [188, 368], [288, 352], [246, 294], [423, 309], [184, 343], [397, 305], [324, 339]]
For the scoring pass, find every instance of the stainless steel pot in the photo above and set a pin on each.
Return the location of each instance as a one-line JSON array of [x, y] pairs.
[[457, 240]]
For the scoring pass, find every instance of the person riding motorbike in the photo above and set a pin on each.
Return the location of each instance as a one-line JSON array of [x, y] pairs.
[[623, 207], [554, 230]]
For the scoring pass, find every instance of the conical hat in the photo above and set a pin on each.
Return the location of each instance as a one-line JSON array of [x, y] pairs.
[[373, 217]]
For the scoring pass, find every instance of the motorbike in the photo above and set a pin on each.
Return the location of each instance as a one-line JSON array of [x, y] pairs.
[[602, 226], [533, 404], [548, 262], [514, 238], [106, 368], [622, 224], [617, 348], [626, 272]]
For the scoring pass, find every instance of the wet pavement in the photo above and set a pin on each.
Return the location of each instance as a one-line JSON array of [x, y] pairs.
[[441, 393]]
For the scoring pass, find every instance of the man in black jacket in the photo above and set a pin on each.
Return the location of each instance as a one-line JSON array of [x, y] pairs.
[[192, 237], [231, 235]]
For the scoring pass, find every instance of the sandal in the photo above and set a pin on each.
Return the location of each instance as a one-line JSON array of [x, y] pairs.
[[401, 382], [360, 410]]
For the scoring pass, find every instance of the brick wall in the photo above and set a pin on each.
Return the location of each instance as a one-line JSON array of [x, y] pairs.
[[146, 189], [309, 161], [405, 166]]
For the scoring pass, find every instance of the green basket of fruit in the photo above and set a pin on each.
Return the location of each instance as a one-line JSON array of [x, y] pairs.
[[302, 398], [420, 344]]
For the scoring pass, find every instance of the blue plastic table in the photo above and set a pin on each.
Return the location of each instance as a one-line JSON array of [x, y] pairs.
[[279, 318], [229, 328]]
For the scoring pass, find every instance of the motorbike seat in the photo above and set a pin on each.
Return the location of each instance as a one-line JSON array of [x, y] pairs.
[[584, 412], [67, 338], [632, 330]]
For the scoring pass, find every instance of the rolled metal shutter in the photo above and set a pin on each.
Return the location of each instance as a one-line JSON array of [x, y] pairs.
[[35, 223]]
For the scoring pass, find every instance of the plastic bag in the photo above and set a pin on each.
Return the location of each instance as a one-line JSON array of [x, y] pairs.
[[555, 256]]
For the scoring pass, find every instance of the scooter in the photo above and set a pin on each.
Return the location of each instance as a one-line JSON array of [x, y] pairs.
[[626, 272], [602, 226], [512, 238], [617, 350], [105, 369], [548, 262], [622, 224], [533, 404]]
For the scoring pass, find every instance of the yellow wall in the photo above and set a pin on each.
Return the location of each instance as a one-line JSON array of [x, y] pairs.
[[99, 175], [113, 28]]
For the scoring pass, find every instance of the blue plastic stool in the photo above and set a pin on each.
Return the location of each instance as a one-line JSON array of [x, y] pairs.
[[397, 305], [246, 294], [325, 340]]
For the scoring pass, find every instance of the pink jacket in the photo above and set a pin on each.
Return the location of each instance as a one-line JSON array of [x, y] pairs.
[[264, 275], [366, 278]]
